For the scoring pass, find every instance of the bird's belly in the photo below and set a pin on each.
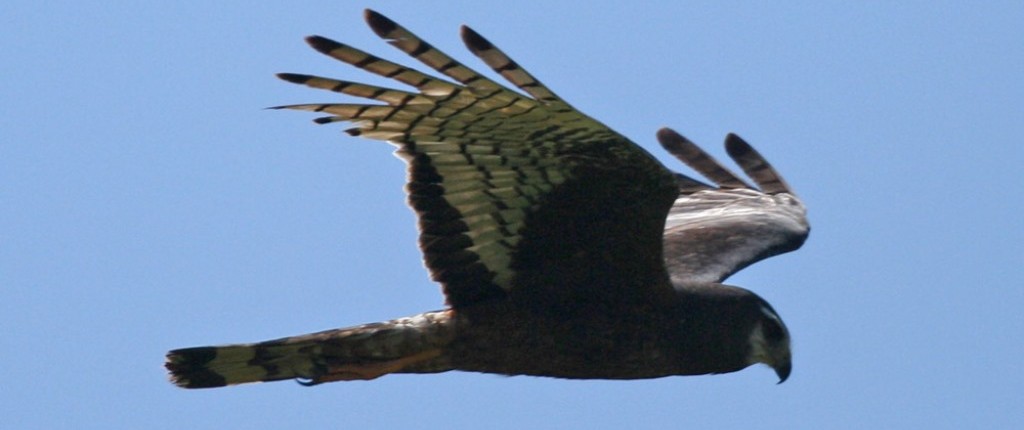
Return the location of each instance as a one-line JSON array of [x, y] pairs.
[[564, 347]]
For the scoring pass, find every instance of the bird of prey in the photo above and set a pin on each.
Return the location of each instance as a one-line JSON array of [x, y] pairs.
[[563, 249]]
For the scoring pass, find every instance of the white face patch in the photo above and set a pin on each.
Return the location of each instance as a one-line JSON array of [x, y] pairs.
[[767, 344], [758, 345]]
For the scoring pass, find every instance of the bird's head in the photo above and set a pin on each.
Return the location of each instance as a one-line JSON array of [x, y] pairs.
[[732, 328], [769, 343]]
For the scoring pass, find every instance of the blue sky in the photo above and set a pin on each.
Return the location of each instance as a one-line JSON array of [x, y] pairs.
[[150, 202]]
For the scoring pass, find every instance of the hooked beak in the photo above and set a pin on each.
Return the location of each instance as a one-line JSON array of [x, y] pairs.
[[783, 370]]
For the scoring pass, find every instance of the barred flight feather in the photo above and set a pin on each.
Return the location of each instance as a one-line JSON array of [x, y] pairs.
[[482, 158]]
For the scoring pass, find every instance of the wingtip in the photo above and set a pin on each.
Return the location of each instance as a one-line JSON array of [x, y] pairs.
[[735, 146], [755, 165], [671, 139], [322, 44], [294, 78], [473, 40], [665, 132], [692, 155], [379, 23]]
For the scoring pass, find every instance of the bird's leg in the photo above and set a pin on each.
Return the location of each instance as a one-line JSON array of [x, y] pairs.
[[368, 371]]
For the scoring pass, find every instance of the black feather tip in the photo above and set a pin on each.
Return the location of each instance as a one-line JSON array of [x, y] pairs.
[[474, 41], [323, 44], [188, 368], [294, 78], [736, 146], [380, 24]]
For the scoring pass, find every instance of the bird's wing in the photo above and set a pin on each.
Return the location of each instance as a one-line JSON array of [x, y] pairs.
[[520, 196], [714, 231]]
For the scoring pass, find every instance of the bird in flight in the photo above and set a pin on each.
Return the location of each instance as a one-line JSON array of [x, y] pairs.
[[563, 249]]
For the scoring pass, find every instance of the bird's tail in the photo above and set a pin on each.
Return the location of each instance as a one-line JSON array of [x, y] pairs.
[[412, 344]]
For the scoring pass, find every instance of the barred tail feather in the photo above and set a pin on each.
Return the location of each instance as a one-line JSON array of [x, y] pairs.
[[217, 366], [310, 357]]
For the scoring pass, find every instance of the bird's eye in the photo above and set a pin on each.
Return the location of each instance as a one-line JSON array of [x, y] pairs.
[[773, 331]]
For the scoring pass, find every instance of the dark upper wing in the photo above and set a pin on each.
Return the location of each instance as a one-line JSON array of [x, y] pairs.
[[516, 196], [713, 232]]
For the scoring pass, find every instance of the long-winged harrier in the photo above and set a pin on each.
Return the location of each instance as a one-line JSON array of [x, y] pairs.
[[563, 249]]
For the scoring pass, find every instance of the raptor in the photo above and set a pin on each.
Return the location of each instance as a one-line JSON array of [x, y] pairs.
[[563, 249]]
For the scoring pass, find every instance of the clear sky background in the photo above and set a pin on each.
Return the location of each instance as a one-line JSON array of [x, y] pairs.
[[148, 202]]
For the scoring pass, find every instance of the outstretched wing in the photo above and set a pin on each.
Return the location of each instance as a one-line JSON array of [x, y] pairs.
[[516, 196], [714, 231]]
